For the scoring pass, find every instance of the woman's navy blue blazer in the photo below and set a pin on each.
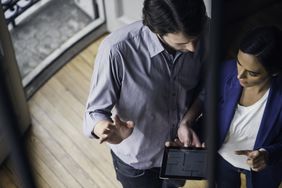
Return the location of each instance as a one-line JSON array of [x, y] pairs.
[[269, 135]]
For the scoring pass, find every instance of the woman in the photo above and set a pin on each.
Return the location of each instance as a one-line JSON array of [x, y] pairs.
[[250, 126]]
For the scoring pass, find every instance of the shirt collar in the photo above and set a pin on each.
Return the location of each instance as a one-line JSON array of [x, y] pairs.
[[154, 45]]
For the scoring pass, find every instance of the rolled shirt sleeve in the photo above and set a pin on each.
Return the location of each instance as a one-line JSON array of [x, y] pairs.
[[104, 89]]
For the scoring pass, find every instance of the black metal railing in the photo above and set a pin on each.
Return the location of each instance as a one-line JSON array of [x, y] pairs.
[[13, 8]]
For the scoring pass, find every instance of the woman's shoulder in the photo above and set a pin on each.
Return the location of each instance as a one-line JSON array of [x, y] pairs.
[[228, 71], [229, 65]]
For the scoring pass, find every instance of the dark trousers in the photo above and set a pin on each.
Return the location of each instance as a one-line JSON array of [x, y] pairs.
[[130, 177], [228, 176]]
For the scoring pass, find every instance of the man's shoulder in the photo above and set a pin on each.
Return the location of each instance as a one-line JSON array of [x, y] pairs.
[[125, 33]]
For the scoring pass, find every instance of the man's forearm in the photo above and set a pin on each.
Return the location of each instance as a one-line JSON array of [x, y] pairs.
[[193, 113]]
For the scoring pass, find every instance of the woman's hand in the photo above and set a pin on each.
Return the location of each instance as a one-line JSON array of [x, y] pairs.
[[257, 159], [113, 133]]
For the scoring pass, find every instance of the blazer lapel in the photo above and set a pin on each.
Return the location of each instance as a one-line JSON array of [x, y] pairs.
[[270, 115], [231, 97]]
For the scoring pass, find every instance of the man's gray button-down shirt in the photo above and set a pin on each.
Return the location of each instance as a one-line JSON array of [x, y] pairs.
[[134, 74]]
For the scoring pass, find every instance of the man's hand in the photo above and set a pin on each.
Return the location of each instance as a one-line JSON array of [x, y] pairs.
[[257, 159], [187, 136], [175, 143], [113, 133]]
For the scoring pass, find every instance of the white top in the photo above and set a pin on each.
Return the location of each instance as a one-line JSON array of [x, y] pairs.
[[243, 132]]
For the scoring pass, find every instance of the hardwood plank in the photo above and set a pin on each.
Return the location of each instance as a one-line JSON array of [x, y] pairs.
[[41, 151], [13, 172], [49, 175], [243, 180], [77, 78], [71, 108], [88, 57], [93, 48], [6, 178], [39, 134], [89, 54], [75, 131], [39, 167], [63, 101], [10, 169], [195, 184], [40, 182], [79, 88], [95, 170], [82, 67]]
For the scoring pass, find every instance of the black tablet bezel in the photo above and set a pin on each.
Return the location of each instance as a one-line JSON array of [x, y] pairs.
[[164, 163]]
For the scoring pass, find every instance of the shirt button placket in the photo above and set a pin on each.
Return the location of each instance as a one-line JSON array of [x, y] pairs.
[[173, 108]]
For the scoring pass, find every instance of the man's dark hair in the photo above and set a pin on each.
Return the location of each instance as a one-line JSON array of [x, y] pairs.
[[170, 16], [265, 42]]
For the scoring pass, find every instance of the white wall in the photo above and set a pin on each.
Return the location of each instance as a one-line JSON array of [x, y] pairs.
[[121, 12], [208, 7]]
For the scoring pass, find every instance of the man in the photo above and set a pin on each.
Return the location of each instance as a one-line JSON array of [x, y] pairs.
[[150, 72]]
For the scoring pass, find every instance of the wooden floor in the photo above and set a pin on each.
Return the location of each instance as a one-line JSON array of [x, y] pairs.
[[60, 154]]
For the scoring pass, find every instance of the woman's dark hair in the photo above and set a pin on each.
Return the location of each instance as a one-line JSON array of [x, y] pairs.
[[265, 43], [170, 16]]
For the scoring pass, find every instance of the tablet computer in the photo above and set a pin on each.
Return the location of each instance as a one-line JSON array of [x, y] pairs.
[[184, 163]]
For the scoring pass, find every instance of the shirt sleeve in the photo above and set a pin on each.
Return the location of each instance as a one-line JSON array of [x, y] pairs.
[[275, 151], [104, 88]]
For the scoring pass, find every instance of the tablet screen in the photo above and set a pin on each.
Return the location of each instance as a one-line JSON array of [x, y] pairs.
[[184, 163]]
